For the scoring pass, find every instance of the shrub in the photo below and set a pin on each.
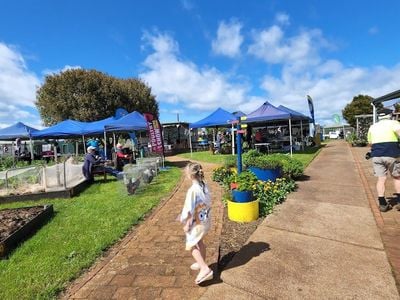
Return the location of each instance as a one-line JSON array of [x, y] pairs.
[[253, 158], [271, 193], [246, 181], [230, 161]]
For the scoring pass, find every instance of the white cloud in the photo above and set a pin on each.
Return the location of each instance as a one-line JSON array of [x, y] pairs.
[[17, 84], [299, 51], [229, 39], [187, 4], [282, 18], [56, 71], [175, 80], [303, 70]]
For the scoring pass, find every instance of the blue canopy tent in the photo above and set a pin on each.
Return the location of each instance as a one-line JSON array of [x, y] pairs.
[[97, 127], [130, 122], [67, 128], [219, 117], [18, 130], [133, 121], [268, 112]]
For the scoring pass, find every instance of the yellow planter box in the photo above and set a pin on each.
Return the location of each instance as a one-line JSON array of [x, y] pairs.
[[243, 212]]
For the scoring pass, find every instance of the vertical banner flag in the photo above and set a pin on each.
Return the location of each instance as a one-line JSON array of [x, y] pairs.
[[156, 139], [311, 107]]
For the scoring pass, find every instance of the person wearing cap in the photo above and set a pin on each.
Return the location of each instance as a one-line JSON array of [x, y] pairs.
[[91, 161], [385, 152]]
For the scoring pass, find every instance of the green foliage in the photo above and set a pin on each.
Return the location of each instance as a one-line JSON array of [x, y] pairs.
[[360, 105], [290, 166], [272, 193], [89, 95], [230, 161], [222, 175], [79, 232], [245, 181], [253, 158], [6, 162]]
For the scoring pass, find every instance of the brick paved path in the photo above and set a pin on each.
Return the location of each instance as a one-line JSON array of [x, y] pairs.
[[388, 222], [150, 262]]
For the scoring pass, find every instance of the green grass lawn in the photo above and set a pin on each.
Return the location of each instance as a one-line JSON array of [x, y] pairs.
[[305, 156], [81, 229], [206, 156]]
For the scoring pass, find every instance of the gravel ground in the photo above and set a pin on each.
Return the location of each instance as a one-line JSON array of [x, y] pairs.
[[233, 236]]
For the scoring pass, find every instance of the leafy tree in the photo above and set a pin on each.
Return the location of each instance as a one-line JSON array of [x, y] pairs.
[[90, 95], [360, 105]]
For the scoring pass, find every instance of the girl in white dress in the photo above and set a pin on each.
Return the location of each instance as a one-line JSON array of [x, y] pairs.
[[196, 217]]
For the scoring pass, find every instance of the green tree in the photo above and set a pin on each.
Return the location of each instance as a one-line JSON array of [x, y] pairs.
[[360, 105], [90, 95]]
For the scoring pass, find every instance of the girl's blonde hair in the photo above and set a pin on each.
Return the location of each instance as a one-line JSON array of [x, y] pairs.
[[195, 171]]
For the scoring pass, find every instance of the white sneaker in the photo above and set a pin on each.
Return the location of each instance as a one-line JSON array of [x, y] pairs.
[[195, 267]]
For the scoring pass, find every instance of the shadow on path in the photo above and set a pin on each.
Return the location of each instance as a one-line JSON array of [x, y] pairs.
[[247, 252]]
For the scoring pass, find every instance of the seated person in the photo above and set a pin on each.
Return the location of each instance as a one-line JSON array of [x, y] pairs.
[[92, 161], [122, 157]]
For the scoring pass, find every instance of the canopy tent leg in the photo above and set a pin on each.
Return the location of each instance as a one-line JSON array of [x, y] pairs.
[[290, 137], [302, 137], [190, 142], [105, 144], [233, 139], [31, 142]]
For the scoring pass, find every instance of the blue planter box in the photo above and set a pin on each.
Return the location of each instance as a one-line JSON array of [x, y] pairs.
[[266, 174], [242, 196]]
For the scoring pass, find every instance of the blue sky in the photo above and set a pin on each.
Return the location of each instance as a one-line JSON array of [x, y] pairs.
[[200, 55]]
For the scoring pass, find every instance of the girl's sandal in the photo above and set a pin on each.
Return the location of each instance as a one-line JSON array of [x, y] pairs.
[[195, 266], [207, 276]]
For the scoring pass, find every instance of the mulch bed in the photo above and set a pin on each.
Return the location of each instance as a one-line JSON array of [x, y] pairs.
[[233, 237], [13, 219]]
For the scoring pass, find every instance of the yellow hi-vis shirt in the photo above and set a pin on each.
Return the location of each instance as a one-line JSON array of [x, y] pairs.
[[383, 137]]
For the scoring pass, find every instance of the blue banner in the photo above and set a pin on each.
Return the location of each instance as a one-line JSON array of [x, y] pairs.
[[311, 107]]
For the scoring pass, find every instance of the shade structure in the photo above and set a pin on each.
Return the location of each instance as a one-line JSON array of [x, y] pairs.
[[67, 128], [18, 130], [295, 115], [267, 112], [98, 127], [131, 122], [220, 117]]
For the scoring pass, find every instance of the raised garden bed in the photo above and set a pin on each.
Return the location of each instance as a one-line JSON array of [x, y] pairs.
[[16, 224]]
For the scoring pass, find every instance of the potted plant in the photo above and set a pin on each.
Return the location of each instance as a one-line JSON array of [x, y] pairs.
[[244, 190], [265, 167]]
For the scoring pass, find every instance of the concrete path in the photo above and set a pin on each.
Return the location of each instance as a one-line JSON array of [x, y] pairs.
[[322, 243], [151, 261]]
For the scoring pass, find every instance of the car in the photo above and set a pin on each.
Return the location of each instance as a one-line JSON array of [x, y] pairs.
[[333, 135]]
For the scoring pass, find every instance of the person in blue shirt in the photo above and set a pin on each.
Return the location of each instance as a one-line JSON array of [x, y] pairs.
[[92, 161]]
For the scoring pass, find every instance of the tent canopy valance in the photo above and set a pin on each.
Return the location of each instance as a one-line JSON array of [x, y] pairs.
[[18, 130]]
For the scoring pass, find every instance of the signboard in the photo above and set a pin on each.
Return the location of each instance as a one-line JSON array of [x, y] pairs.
[[154, 128]]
